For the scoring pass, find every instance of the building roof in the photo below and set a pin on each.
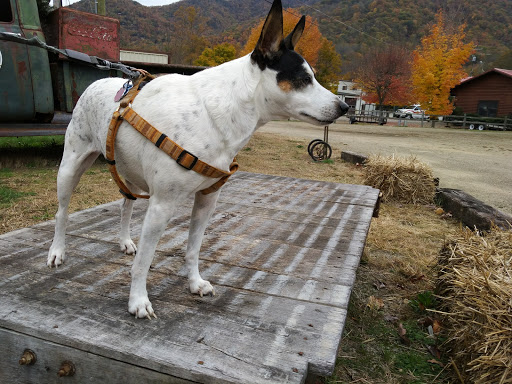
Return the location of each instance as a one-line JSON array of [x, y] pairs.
[[505, 72]]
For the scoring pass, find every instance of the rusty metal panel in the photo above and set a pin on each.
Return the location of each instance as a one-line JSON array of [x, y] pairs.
[[38, 58], [71, 81], [25, 82], [92, 34], [16, 98]]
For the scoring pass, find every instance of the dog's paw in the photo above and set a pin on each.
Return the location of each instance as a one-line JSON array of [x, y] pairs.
[[141, 308], [128, 246], [55, 257], [201, 287]]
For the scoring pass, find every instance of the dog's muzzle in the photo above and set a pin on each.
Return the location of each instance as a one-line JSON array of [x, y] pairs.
[[342, 108]]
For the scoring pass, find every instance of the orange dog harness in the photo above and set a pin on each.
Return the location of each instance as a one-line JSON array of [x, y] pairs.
[[184, 158]]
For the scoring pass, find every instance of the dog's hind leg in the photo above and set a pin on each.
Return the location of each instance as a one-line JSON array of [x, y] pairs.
[[125, 242], [72, 166], [204, 205], [157, 216]]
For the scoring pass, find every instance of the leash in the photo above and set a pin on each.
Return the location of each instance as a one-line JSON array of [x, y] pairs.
[[77, 56], [182, 157]]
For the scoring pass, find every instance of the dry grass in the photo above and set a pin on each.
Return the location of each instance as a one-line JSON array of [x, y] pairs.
[[277, 155], [475, 284], [37, 190], [400, 179], [396, 266]]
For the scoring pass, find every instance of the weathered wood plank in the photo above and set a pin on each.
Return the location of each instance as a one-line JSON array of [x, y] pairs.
[[50, 357], [282, 254]]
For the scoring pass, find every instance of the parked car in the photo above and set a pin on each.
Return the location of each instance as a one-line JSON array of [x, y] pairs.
[[411, 112]]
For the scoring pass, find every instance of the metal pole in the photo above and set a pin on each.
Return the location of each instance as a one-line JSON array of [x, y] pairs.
[[102, 10]]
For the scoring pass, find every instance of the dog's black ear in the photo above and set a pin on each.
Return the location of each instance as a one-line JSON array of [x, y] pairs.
[[271, 34], [293, 38]]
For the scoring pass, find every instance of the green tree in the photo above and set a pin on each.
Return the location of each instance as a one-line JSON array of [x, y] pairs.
[[504, 61], [186, 42], [219, 54], [328, 66]]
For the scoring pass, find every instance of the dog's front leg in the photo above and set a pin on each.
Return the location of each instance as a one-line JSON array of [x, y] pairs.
[[204, 205], [155, 222], [125, 242]]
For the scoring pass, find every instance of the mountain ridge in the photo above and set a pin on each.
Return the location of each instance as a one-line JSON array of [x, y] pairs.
[[353, 25]]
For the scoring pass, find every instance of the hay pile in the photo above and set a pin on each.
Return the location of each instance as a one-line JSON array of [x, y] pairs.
[[475, 284], [400, 179]]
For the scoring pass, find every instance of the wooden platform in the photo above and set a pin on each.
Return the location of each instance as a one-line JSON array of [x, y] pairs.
[[282, 254]]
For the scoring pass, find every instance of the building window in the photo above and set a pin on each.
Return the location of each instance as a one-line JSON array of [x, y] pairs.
[[5, 11], [488, 108]]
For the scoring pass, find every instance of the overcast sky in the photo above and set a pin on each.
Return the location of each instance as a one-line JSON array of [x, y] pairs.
[[143, 2]]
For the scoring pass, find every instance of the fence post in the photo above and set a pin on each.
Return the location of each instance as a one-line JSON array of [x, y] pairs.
[[464, 122], [422, 118], [505, 123]]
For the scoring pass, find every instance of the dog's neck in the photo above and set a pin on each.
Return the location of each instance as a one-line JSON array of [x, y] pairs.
[[234, 100]]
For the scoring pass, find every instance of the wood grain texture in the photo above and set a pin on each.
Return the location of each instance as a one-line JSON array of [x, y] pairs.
[[282, 254]]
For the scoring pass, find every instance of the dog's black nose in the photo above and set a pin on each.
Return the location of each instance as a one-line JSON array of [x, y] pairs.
[[343, 108]]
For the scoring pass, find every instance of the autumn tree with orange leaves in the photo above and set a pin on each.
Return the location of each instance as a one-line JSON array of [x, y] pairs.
[[318, 51], [437, 66]]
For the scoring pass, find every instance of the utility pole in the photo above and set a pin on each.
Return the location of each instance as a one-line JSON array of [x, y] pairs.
[[101, 8]]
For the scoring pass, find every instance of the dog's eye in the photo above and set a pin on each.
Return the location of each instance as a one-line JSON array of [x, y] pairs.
[[306, 80]]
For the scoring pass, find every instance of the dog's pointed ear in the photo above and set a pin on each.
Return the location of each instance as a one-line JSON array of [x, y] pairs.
[[272, 32], [293, 38]]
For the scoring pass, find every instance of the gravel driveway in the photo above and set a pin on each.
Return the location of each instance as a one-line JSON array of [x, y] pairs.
[[478, 162]]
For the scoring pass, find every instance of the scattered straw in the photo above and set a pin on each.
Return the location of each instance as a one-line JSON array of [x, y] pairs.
[[475, 284], [404, 180]]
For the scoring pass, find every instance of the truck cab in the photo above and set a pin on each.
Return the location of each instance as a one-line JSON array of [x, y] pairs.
[[25, 80], [36, 84]]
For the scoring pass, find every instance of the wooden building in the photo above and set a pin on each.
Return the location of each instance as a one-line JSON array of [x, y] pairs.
[[487, 94]]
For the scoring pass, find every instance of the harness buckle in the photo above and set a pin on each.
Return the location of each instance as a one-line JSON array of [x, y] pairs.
[[182, 155]]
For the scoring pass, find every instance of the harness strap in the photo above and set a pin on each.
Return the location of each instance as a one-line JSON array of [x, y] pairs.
[[184, 158]]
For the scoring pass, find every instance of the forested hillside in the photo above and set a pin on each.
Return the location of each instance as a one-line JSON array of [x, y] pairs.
[[353, 25]]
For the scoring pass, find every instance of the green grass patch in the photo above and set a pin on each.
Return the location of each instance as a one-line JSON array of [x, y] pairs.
[[6, 172], [8, 195], [31, 142]]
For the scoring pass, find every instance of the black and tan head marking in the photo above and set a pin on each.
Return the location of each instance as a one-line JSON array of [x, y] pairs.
[[277, 53]]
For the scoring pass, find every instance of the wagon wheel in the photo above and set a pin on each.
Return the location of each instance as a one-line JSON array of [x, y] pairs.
[[311, 145], [471, 126], [320, 151], [481, 127]]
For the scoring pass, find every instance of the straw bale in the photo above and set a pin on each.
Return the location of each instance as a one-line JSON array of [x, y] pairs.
[[475, 287], [400, 179]]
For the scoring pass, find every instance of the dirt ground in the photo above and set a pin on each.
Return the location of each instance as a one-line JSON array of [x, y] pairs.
[[477, 162]]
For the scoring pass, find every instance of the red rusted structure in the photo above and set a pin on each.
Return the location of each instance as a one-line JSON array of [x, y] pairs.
[[91, 34]]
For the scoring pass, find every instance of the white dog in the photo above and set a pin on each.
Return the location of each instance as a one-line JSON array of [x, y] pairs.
[[211, 114]]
